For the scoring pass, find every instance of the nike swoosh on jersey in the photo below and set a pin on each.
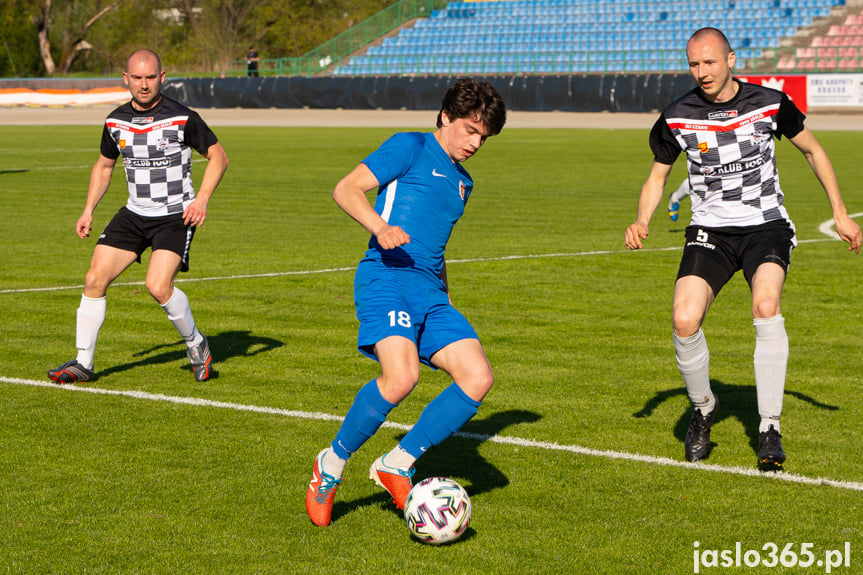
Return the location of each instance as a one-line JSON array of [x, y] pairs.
[[436, 174]]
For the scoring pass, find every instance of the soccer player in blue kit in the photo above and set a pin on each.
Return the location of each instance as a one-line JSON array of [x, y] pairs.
[[401, 292]]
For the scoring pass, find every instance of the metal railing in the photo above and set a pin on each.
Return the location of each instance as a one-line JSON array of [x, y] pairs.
[[335, 50]]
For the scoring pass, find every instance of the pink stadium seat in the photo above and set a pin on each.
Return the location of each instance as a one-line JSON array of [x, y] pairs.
[[786, 63], [817, 41], [826, 64]]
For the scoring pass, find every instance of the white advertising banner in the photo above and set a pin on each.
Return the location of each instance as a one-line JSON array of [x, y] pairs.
[[835, 90]]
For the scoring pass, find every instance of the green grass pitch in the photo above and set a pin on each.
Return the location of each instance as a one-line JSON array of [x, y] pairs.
[[576, 327]]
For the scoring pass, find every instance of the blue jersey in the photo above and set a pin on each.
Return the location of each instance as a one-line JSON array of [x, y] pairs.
[[423, 192]]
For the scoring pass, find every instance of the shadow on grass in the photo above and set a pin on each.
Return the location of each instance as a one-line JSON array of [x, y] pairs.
[[735, 401], [223, 346], [458, 457]]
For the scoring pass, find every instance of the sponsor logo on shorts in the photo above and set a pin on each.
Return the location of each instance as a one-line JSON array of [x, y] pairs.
[[702, 240]]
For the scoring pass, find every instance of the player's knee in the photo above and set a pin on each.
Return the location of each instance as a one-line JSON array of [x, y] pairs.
[[96, 282], [685, 324], [160, 292], [394, 388], [765, 308], [478, 384]]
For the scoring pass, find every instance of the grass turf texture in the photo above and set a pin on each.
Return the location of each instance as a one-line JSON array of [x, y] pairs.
[[580, 343]]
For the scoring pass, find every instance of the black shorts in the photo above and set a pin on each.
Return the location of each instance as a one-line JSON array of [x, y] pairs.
[[715, 254], [129, 231]]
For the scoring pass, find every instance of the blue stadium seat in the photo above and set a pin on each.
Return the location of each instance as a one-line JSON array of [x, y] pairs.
[[574, 36]]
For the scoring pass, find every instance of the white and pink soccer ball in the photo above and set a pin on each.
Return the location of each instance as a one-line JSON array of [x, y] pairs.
[[437, 510]]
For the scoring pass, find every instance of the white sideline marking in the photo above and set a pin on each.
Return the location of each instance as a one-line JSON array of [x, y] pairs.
[[503, 440], [352, 268]]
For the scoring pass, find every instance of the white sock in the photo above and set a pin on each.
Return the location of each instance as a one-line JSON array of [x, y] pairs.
[[681, 192], [399, 458], [91, 316], [693, 361], [180, 314], [770, 361], [333, 464], [766, 422]]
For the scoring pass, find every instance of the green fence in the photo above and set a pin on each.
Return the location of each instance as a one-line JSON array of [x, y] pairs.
[[335, 50]]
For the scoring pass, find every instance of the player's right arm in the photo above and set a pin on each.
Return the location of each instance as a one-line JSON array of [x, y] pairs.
[[100, 179], [651, 194], [350, 195]]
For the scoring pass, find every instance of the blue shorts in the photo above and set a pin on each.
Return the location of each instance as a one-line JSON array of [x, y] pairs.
[[406, 303]]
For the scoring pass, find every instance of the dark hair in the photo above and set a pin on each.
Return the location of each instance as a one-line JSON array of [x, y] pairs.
[[471, 98]]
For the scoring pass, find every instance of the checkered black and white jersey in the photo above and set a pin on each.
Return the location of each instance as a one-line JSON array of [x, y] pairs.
[[156, 146], [730, 153]]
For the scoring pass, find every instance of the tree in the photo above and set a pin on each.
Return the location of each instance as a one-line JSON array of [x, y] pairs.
[[19, 52], [58, 37], [72, 33]]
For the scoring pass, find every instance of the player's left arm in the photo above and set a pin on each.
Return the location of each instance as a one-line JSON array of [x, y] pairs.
[[811, 149], [217, 162]]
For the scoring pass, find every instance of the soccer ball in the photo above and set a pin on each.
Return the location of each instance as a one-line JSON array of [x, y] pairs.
[[437, 510]]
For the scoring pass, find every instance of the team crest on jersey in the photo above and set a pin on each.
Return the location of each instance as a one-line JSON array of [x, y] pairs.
[[759, 137], [122, 144], [703, 147], [722, 115], [162, 144], [142, 120], [461, 189]]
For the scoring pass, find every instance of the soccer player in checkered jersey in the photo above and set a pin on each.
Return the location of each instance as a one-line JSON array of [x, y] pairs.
[[155, 137], [401, 291], [727, 130]]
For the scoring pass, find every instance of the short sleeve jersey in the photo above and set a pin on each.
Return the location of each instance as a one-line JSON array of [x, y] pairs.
[[156, 146], [730, 153], [422, 191]]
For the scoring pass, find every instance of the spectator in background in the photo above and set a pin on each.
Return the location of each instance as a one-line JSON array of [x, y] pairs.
[[252, 62]]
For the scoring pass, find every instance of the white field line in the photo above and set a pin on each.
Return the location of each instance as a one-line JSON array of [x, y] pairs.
[[352, 268], [503, 440], [828, 230]]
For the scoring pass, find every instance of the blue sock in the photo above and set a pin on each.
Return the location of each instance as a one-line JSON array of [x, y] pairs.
[[441, 418], [365, 416]]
